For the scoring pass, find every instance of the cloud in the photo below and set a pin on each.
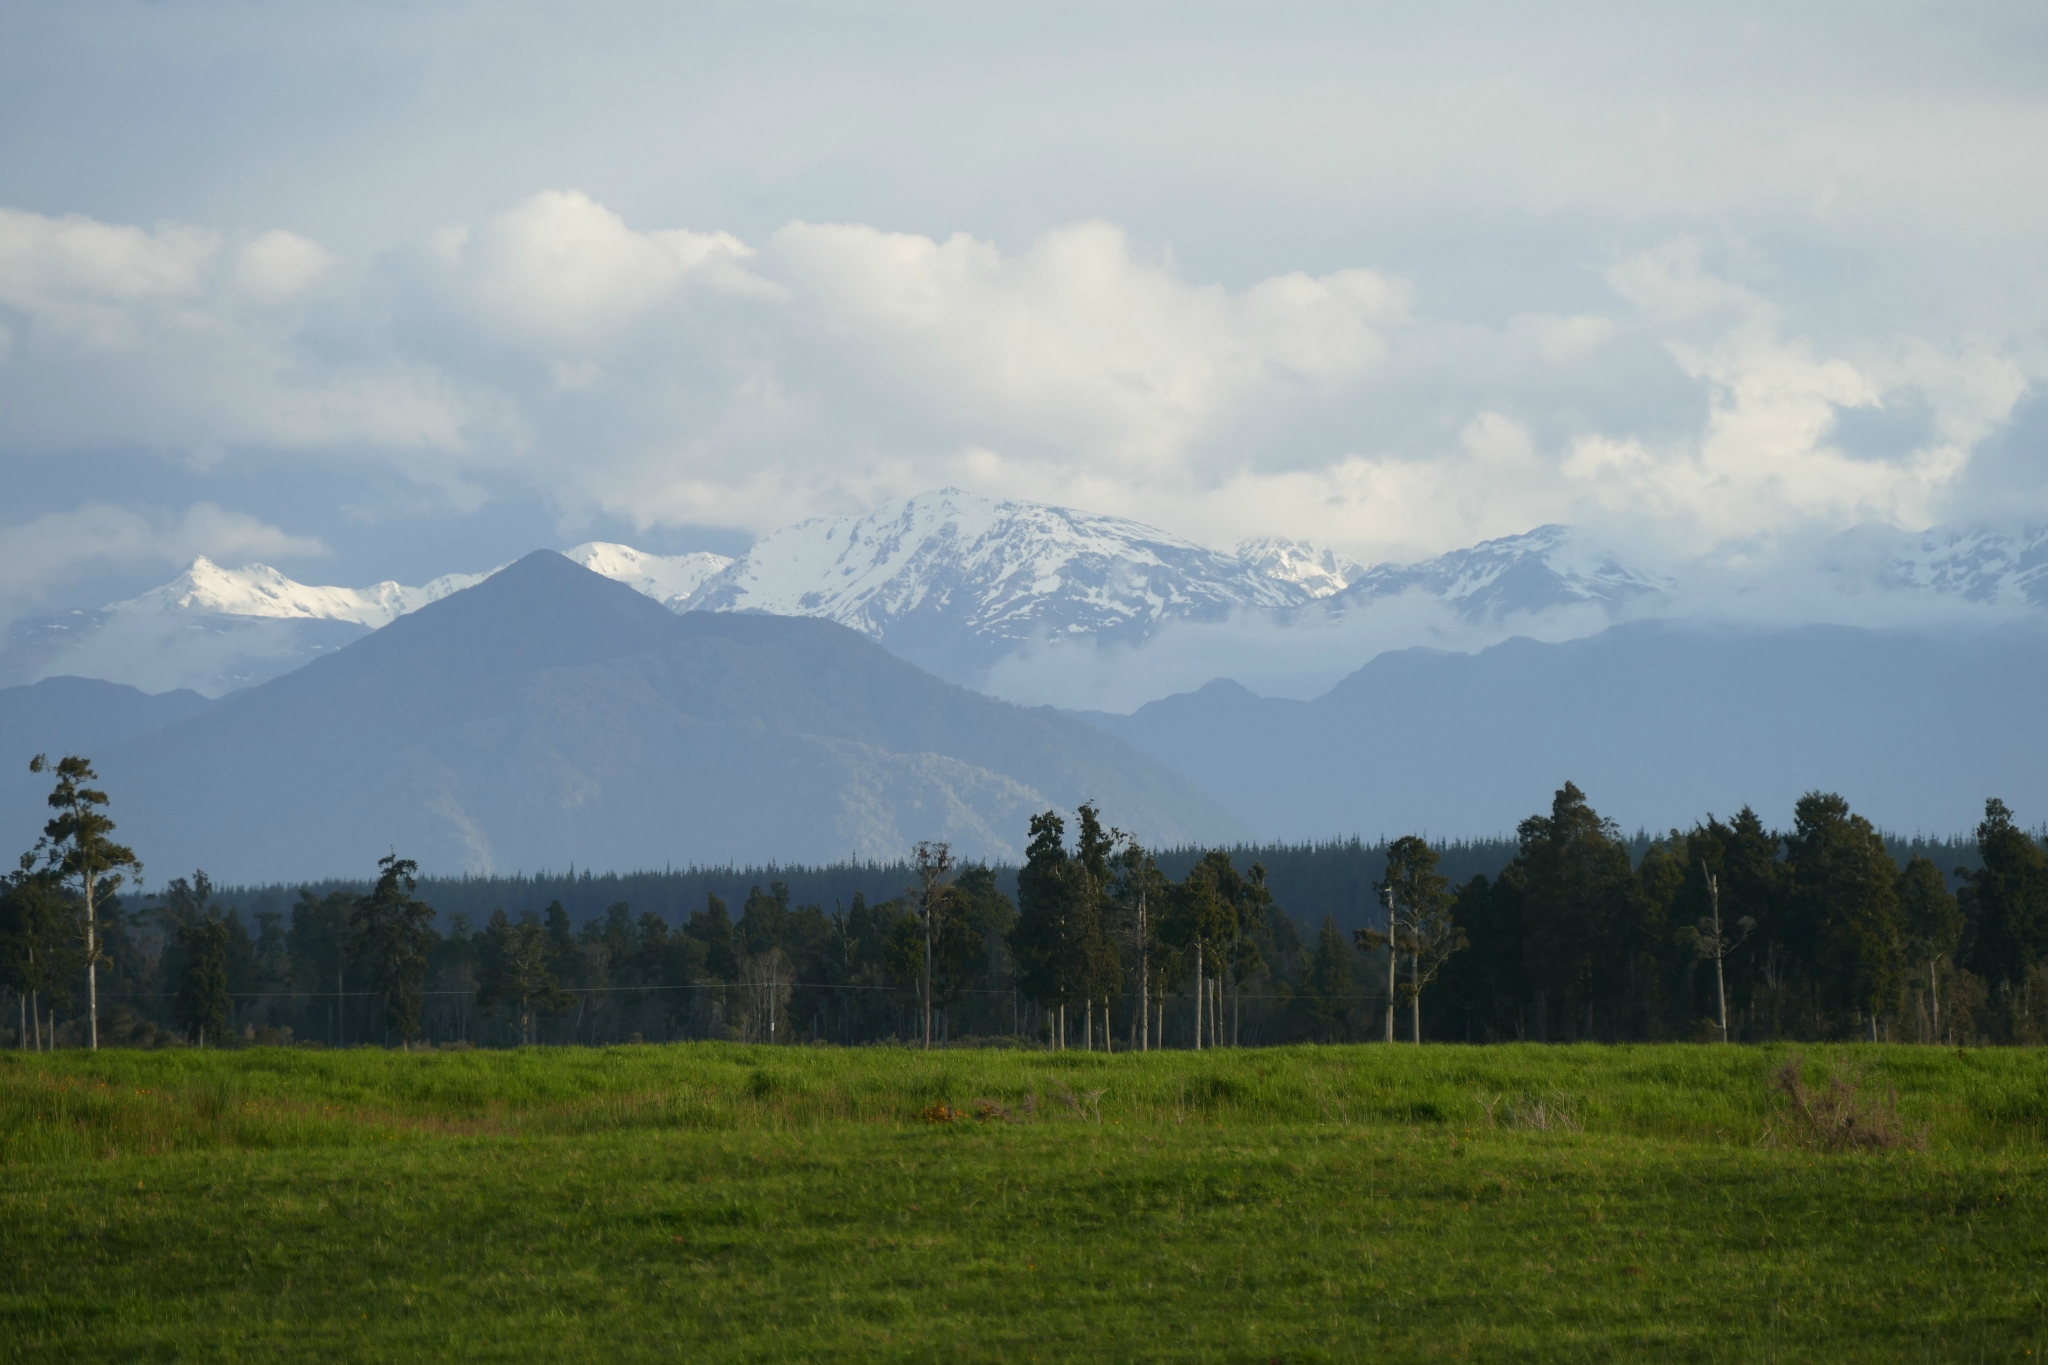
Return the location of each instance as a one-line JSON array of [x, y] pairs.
[[1300, 658], [36, 554], [565, 269], [176, 339], [278, 265], [681, 375], [1077, 343]]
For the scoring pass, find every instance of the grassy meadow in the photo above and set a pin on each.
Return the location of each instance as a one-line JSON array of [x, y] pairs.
[[721, 1202]]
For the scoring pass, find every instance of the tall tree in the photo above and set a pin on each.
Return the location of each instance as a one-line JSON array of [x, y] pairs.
[[80, 846], [1933, 921], [1040, 939], [517, 970], [318, 944], [1197, 923], [712, 927], [1094, 960], [1842, 892], [1749, 881], [1139, 891], [393, 934], [1576, 890], [2005, 899], [1251, 908], [1713, 938], [36, 936], [1419, 901], [1321, 1008], [203, 999], [933, 864]]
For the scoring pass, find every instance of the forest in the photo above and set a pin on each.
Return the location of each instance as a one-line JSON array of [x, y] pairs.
[[1571, 931]]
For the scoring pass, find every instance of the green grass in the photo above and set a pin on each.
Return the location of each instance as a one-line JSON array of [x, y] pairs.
[[713, 1202]]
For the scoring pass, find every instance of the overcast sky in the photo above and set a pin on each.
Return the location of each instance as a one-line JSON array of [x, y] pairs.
[[377, 291]]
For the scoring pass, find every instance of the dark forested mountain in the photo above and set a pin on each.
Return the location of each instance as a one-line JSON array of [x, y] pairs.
[[1660, 721], [70, 715], [550, 716]]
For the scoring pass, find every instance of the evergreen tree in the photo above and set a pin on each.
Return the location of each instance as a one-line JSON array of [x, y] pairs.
[[2005, 900], [203, 999], [712, 927], [517, 971], [1576, 893], [1039, 942], [1140, 893], [392, 934], [933, 863], [37, 937], [79, 847], [1933, 921], [1199, 920], [318, 942], [1322, 1009], [1424, 933], [1843, 908]]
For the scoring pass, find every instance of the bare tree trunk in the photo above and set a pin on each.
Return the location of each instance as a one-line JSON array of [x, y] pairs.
[[1144, 978], [1108, 1038], [1415, 995], [1934, 992], [1236, 991], [1200, 991], [1088, 1024], [92, 960], [1392, 964]]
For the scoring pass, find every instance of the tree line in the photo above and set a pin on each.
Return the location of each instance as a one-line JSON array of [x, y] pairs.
[[1726, 930]]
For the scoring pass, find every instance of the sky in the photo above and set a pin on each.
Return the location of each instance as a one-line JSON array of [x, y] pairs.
[[371, 291]]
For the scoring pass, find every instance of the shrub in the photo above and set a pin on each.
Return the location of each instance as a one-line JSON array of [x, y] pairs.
[[1839, 1116]]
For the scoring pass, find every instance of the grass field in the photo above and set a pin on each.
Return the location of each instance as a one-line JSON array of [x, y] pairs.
[[711, 1202]]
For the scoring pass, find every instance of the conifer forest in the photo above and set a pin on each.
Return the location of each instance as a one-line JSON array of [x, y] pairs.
[[1570, 932]]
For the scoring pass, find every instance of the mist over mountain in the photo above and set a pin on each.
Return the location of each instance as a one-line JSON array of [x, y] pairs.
[[1659, 723], [550, 716]]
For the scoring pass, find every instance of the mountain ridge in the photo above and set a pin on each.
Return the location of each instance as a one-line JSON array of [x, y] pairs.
[[549, 715], [968, 586]]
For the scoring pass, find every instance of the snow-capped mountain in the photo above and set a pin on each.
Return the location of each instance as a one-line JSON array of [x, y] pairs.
[[1319, 573], [1537, 571], [214, 630], [668, 579], [953, 580], [1976, 565], [959, 583], [260, 591]]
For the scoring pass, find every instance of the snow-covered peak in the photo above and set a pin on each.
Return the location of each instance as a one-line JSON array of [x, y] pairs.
[[953, 579], [261, 591], [1551, 566], [1317, 572], [668, 579]]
